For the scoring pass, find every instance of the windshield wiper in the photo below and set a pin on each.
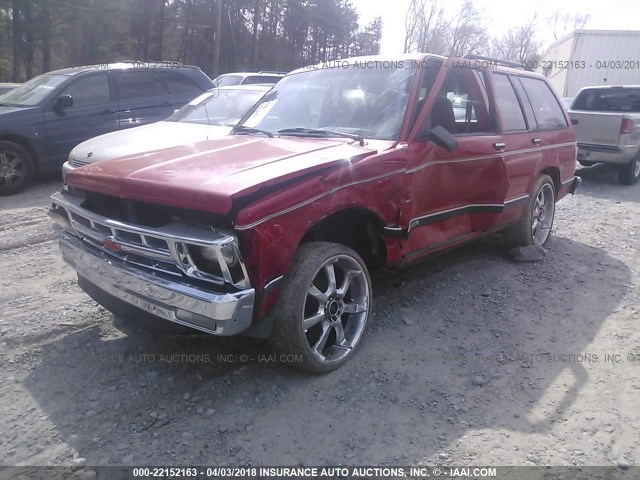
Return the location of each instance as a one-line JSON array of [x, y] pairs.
[[241, 129], [325, 133]]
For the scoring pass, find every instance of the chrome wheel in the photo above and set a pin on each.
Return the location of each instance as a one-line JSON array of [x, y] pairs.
[[12, 169], [542, 215], [636, 170], [336, 309]]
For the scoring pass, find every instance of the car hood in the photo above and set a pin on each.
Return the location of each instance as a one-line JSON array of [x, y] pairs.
[[6, 111], [210, 175], [154, 136]]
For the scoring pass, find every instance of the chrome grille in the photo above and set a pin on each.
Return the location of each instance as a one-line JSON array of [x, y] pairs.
[[79, 163], [163, 249]]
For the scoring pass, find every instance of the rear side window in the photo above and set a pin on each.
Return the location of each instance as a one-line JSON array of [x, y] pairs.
[[89, 90], [260, 79], [546, 108], [139, 84], [508, 105], [608, 100], [179, 84]]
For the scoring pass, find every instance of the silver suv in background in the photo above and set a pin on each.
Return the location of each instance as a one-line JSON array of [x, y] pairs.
[[607, 124]]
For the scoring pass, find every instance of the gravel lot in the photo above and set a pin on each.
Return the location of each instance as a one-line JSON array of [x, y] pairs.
[[471, 359]]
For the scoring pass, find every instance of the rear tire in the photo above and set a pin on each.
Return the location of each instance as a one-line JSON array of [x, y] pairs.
[[16, 168], [534, 227], [629, 174], [323, 308]]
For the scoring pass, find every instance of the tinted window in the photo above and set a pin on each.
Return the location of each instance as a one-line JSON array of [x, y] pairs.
[[179, 84], [89, 90], [524, 101], [227, 80], [139, 84], [608, 100], [508, 105], [260, 79], [547, 110]]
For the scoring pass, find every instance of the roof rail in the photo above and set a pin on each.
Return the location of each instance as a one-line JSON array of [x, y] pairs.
[[274, 72], [505, 63], [168, 62]]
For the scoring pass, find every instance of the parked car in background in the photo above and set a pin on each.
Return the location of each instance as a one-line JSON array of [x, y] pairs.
[[210, 115], [7, 87], [245, 78], [337, 171], [566, 102], [607, 123], [44, 118]]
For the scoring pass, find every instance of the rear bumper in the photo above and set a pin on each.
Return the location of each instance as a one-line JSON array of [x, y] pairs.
[[606, 153], [188, 305]]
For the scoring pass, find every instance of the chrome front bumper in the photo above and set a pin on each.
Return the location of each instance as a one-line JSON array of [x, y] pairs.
[[189, 305]]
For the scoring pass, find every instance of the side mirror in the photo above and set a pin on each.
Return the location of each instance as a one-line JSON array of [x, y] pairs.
[[64, 101], [441, 137]]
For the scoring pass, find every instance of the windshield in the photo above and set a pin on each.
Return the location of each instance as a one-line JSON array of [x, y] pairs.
[[366, 101], [34, 91], [218, 107], [608, 100]]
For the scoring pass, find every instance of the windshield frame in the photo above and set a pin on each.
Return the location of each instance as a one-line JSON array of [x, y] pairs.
[[413, 73]]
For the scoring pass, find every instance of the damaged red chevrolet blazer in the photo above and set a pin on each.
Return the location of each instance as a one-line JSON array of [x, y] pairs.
[[341, 169]]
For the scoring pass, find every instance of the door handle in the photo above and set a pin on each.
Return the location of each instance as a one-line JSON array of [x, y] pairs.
[[575, 121], [107, 110], [536, 141], [499, 145]]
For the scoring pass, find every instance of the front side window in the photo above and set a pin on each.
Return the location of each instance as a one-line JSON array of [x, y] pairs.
[[34, 91], [508, 104], [139, 84], [370, 102], [179, 84], [89, 90], [546, 109], [462, 105]]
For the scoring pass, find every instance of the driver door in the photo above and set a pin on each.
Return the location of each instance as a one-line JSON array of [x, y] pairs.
[[93, 113], [455, 195]]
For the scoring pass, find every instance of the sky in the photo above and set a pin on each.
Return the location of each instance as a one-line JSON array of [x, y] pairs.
[[501, 15]]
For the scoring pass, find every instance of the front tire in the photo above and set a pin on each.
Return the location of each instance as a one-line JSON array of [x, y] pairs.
[[16, 168], [629, 174], [534, 227], [323, 308]]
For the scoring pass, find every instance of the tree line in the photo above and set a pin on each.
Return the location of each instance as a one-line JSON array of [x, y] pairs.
[[431, 28], [37, 36]]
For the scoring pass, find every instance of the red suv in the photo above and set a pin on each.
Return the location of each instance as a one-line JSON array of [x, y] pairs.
[[340, 169]]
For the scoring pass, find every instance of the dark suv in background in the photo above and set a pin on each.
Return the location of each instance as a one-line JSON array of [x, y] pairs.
[[43, 119]]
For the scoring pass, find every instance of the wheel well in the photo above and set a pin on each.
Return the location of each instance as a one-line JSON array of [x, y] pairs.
[[24, 143], [355, 228], [554, 173]]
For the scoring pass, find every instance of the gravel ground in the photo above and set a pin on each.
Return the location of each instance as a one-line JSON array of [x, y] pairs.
[[472, 359]]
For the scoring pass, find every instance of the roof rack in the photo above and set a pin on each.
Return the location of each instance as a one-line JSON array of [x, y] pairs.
[[159, 62], [505, 63]]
